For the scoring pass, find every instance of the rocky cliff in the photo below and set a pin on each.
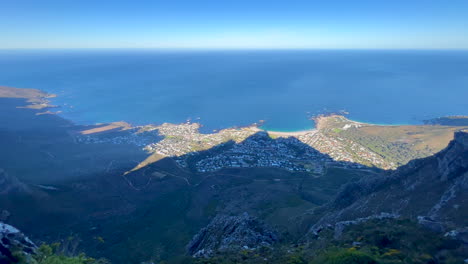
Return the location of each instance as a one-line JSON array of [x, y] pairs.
[[230, 233], [433, 191], [11, 239]]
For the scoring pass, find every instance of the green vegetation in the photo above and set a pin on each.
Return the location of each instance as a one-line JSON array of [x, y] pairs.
[[397, 144], [402, 241], [272, 136], [48, 254], [210, 209], [397, 152], [374, 242], [346, 256], [393, 241], [160, 233]]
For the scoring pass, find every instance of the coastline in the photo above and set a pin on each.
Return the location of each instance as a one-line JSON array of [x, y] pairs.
[[39, 100], [334, 135]]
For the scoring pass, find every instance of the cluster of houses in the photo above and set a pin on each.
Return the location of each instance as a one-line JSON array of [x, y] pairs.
[[344, 150], [260, 150], [181, 139]]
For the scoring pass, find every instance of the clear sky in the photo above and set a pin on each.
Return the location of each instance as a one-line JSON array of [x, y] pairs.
[[251, 24]]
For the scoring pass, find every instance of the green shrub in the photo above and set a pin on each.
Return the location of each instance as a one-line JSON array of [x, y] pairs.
[[347, 256], [47, 254], [296, 259]]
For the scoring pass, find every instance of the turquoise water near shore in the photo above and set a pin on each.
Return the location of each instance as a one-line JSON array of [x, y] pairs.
[[234, 88]]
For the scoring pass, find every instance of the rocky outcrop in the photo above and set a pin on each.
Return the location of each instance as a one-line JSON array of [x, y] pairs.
[[11, 240], [339, 227], [459, 234], [231, 233], [432, 191]]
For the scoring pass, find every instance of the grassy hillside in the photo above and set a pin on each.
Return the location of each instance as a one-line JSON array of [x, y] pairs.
[[397, 144]]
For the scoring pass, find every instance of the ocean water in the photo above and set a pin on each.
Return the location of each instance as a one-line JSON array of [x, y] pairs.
[[233, 88]]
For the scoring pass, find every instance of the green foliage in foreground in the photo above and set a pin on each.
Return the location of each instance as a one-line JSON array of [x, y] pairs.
[[348, 256], [47, 254], [292, 256], [374, 242]]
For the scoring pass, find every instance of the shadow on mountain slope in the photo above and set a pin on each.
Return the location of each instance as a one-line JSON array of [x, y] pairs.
[[78, 195], [77, 192], [167, 219], [41, 148], [257, 151]]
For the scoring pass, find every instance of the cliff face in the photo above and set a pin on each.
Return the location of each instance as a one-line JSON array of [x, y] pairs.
[[433, 190], [11, 239], [453, 161]]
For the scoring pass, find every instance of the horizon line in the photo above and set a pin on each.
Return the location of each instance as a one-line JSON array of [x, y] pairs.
[[236, 49]]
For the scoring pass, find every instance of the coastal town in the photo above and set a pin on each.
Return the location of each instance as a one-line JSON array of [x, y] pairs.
[[181, 139], [260, 150], [246, 147]]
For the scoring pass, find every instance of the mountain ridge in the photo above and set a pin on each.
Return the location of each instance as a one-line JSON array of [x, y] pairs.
[[429, 189]]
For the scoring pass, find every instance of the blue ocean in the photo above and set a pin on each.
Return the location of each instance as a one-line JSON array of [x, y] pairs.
[[233, 88]]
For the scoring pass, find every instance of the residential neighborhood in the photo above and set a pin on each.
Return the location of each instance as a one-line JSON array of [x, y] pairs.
[[246, 147]]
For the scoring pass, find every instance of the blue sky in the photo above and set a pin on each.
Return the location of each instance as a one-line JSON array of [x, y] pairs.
[[243, 24]]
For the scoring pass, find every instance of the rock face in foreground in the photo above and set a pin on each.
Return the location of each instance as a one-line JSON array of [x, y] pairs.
[[11, 239], [433, 191], [231, 233]]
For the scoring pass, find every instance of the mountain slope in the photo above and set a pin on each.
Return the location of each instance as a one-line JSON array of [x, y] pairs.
[[432, 190]]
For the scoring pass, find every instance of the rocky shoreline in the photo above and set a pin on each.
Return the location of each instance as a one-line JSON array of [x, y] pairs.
[[37, 98]]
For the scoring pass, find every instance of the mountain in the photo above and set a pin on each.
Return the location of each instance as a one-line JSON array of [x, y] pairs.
[[415, 214], [432, 190], [78, 185]]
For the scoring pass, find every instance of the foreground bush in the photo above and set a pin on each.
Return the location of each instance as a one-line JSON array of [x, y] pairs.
[[347, 256], [47, 254]]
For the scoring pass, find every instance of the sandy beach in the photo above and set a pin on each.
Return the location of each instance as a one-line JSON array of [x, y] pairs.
[[290, 134]]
